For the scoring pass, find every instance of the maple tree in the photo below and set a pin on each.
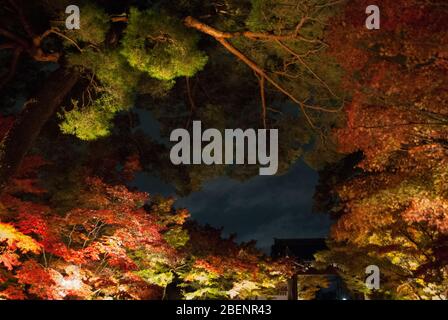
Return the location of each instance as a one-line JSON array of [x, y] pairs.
[[114, 243], [389, 195]]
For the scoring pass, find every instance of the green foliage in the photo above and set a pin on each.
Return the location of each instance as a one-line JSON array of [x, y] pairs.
[[154, 268], [88, 123], [254, 22], [274, 15], [161, 279], [161, 46], [116, 77], [155, 88], [308, 78], [310, 286], [205, 293], [176, 237], [112, 85], [94, 25]]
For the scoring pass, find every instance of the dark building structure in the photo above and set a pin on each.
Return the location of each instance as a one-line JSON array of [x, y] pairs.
[[302, 251]]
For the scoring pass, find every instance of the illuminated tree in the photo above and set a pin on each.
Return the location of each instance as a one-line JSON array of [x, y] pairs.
[[241, 55], [390, 198], [106, 241]]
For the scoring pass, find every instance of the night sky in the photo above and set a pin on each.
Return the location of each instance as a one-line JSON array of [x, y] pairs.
[[261, 208]]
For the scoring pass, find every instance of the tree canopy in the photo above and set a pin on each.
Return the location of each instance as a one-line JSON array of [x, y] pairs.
[[367, 109]]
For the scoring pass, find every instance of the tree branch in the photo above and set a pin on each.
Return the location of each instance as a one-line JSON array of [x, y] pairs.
[[60, 34], [221, 38], [19, 40], [299, 58], [193, 23], [263, 101]]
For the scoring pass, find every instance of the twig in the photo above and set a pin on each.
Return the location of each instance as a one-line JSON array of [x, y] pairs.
[[221, 38], [263, 74], [299, 58], [263, 101], [14, 37], [274, 110], [119, 18], [58, 33]]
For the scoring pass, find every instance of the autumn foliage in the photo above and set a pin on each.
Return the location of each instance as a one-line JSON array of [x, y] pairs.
[[115, 243], [370, 105], [392, 203]]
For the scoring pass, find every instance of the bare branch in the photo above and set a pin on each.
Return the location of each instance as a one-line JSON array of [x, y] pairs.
[[299, 58], [191, 22], [263, 101], [60, 34], [19, 40]]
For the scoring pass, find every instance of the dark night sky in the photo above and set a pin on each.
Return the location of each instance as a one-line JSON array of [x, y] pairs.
[[261, 208]]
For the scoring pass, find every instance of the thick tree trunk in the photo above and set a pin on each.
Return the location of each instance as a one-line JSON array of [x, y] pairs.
[[30, 121]]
